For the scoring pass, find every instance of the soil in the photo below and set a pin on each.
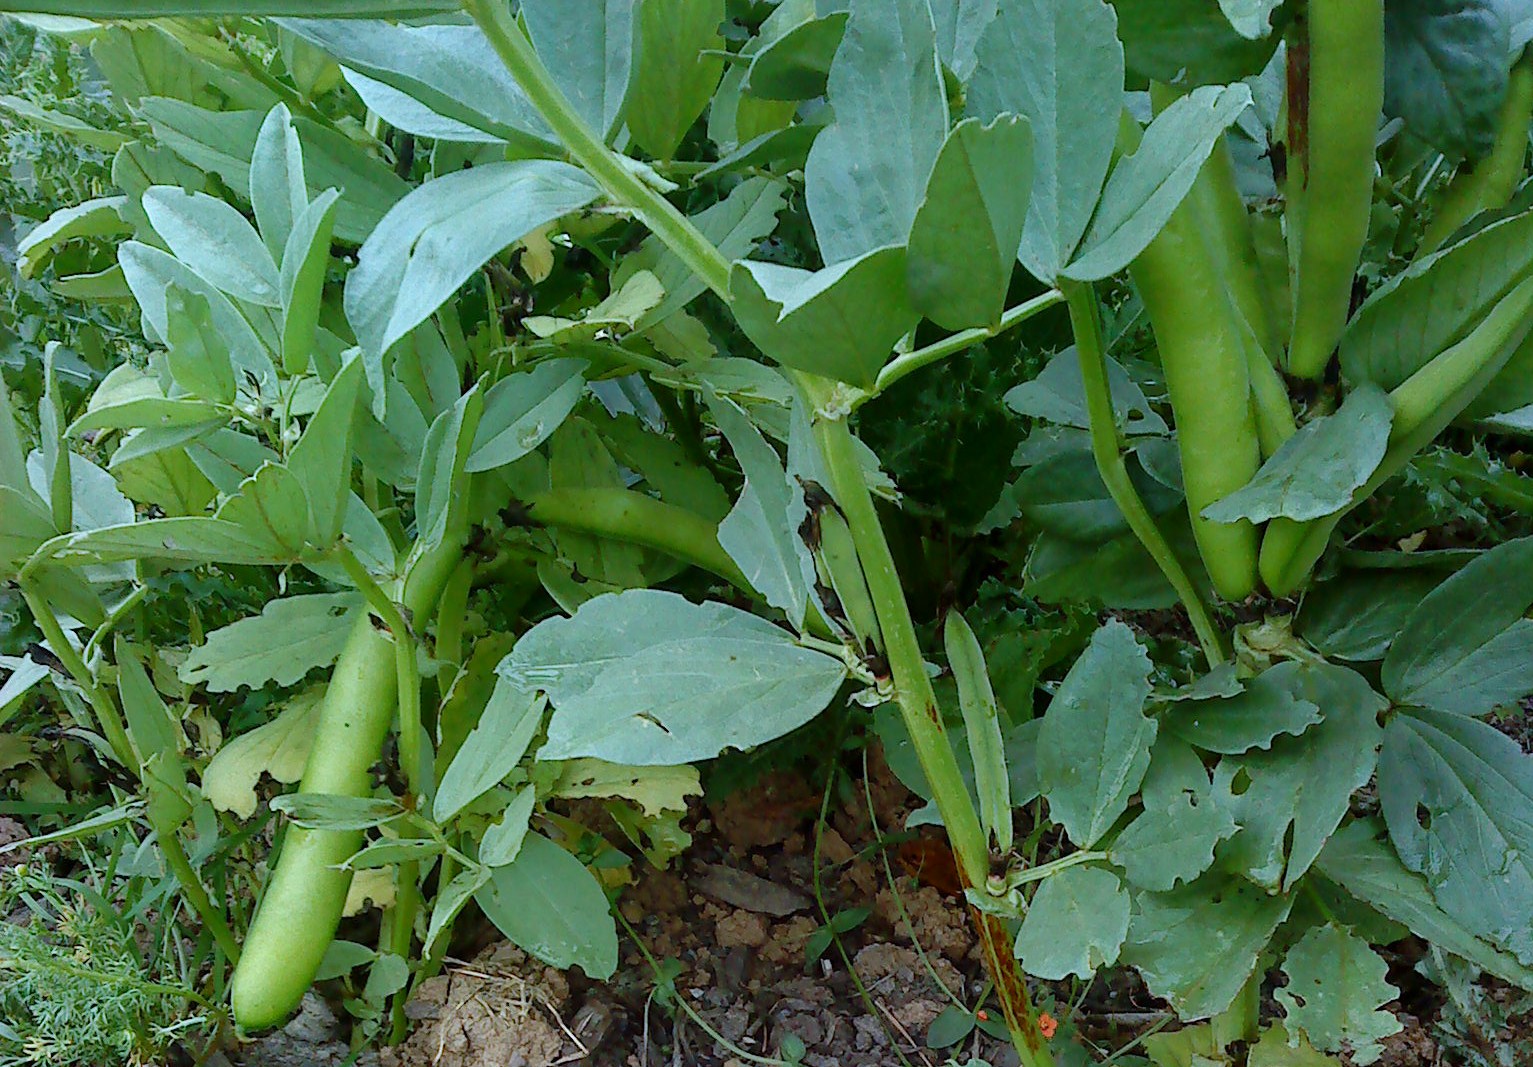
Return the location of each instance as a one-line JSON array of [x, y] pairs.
[[730, 922]]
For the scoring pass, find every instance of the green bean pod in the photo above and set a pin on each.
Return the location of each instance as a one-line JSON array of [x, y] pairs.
[[301, 905], [1424, 404], [1492, 182], [1333, 189], [1204, 350]]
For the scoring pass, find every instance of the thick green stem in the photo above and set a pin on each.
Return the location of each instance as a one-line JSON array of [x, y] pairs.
[[922, 714], [107, 715], [621, 183], [1107, 449], [406, 666], [1494, 179], [907, 364], [212, 916]]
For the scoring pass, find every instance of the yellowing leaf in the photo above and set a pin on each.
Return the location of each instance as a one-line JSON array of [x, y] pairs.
[[279, 748], [655, 789]]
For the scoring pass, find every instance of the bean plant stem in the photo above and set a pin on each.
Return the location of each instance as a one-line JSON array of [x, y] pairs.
[[917, 701], [212, 916], [907, 364], [923, 716], [1107, 449], [113, 620], [107, 715], [622, 184]]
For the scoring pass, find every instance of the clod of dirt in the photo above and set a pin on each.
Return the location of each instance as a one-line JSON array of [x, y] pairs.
[[765, 814], [314, 1038], [11, 832], [740, 889], [902, 986], [498, 1011], [741, 929], [940, 923]]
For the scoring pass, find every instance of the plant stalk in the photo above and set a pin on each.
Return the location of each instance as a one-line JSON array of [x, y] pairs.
[[907, 364], [1107, 449], [107, 715], [586, 147], [923, 716]]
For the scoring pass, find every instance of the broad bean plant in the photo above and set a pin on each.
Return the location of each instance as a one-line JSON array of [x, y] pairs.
[[524, 351]]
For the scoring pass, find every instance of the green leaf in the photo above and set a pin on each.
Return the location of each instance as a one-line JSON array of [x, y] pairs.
[[1358, 859], [867, 172], [151, 727], [278, 748], [1065, 495], [198, 358], [1316, 471], [1057, 395], [451, 900], [150, 274], [1094, 745], [434, 239], [646, 677], [1271, 705], [334, 811], [305, 262], [450, 70], [1446, 73], [1458, 797], [1057, 63], [795, 63], [675, 70], [286, 641], [1191, 40], [982, 725], [1173, 842], [215, 241], [1197, 945], [1465, 648], [391, 851], [1252, 19], [501, 843], [441, 497], [549, 905], [222, 143], [100, 217], [523, 409], [1335, 993], [1076, 924], [1358, 615], [491, 751], [179, 540], [964, 238], [840, 322], [61, 123], [959, 26], [1277, 1049], [1148, 186], [587, 46], [755, 533], [1296, 793], [278, 192], [321, 460], [1435, 303]]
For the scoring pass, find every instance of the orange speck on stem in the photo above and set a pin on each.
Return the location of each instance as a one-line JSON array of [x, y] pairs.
[[1047, 1025]]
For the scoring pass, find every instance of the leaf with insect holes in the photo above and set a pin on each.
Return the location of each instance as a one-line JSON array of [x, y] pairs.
[[279, 748], [648, 678], [1336, 992], [1197, 945], [1075, 924], [1457, 795], [290, 637]]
